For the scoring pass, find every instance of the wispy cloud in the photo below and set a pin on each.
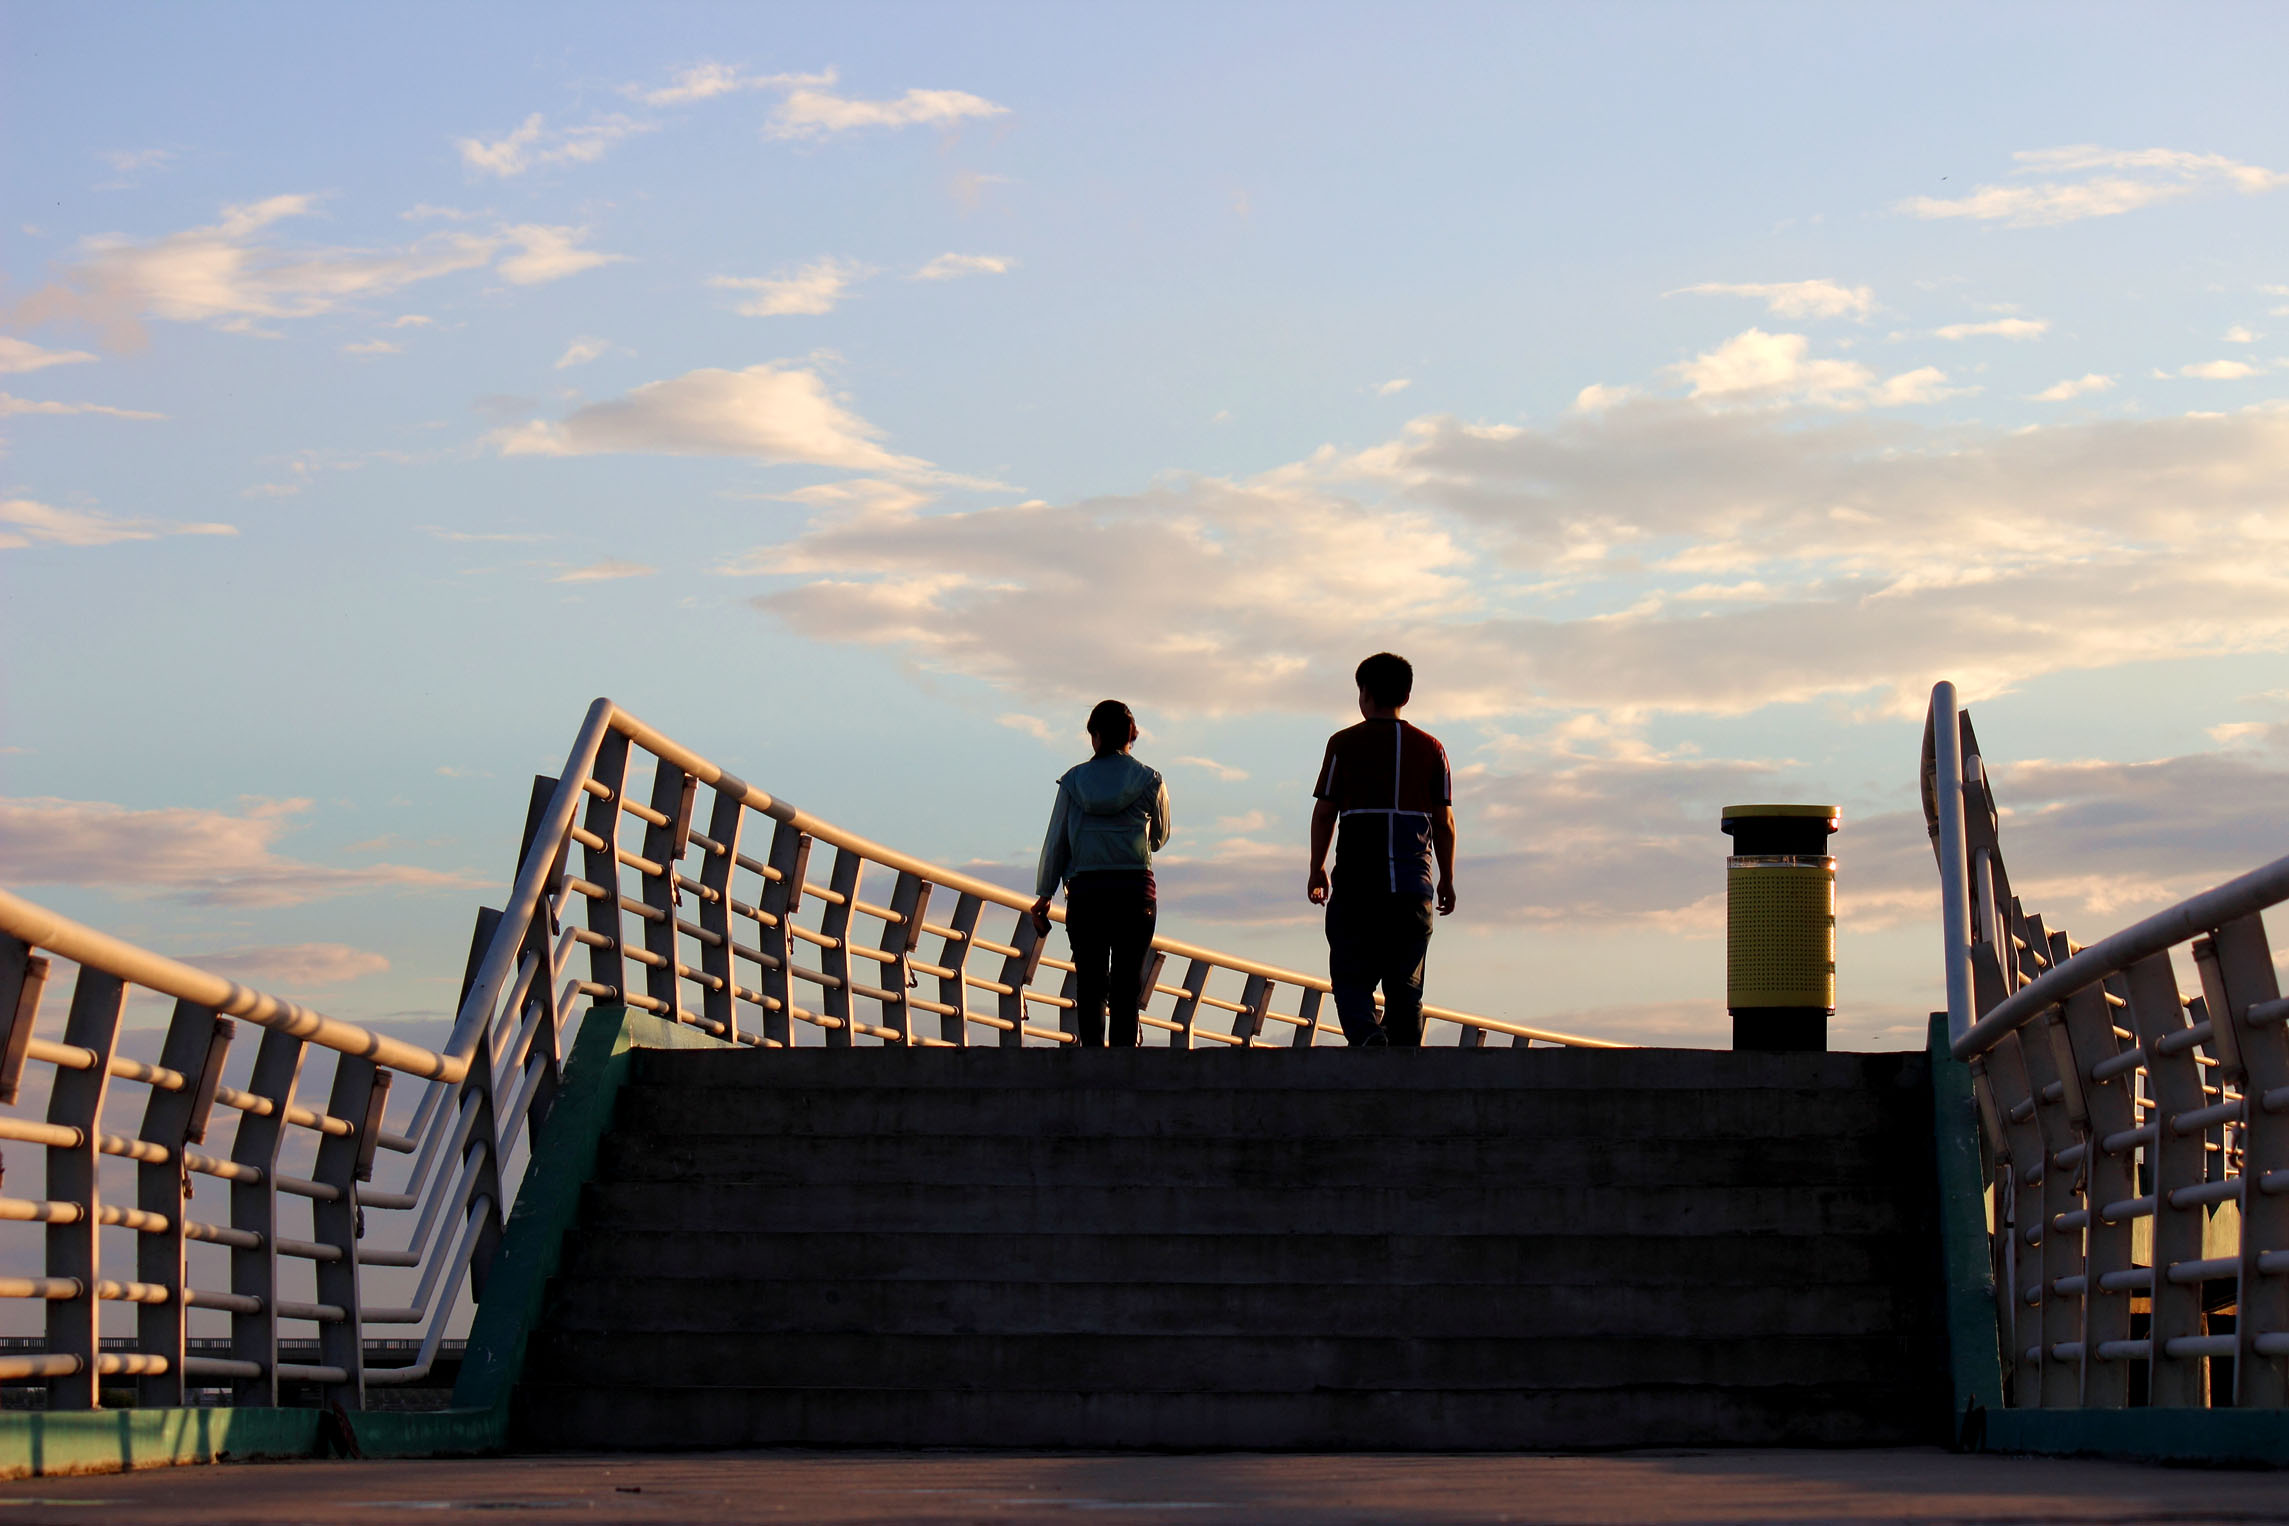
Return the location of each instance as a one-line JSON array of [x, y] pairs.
[[811, 111], [2073, 387], [1793, 299], [1996, 328], [20, 355], [289, 967], [533, 145], [765, 412], [213, 857], [610, 570], [2119, 181], [810, 291], [129, 160], [706, 81], [27, 522], [1394, 386], [368, 347], [583, 350], [1755, 367], [11, 405], [950, 266], [1223, 771], [235, 274], [2212, 370], [2239, 335], [1032, 725], [484, 536]]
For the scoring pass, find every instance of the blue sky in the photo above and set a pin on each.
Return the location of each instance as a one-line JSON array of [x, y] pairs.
[[857, 393]]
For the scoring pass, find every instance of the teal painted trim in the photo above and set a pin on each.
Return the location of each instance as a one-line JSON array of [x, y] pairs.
[[39, 1444], [430, 1433], [2154, 1435], [548, 1199], [1974, 1358]]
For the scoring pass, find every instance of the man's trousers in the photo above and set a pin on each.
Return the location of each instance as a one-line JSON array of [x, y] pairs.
[[1377, 938]]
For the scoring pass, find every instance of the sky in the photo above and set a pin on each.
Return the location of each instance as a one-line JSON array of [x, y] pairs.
[[858, 393]]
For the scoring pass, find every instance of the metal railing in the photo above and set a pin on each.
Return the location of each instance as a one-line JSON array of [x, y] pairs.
[[2137, 1136], [717, 917]]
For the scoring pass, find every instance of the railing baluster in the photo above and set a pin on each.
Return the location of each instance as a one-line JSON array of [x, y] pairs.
[[607, 964], [782, 897], [670, 788], [1187, 1011], [954, 958], [834, 959], [2108, 1178], [720, 1003], [2174, 1085], [1017, 972], [1256, 999], [163, 1187], [74, 1250], [1307, 1009], [337, 1222], [2007, 1072], [2245, 970], [254, 1208], [909, 899], [23, 976]]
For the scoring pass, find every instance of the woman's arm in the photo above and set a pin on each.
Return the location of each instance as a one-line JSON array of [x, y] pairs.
[[1056, 849], [1159, 826]]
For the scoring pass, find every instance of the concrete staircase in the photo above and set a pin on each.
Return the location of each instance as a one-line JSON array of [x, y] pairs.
[[1434, 1249]]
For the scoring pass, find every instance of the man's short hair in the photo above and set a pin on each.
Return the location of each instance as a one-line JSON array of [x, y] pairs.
[[1388, 678], [1110, 722]]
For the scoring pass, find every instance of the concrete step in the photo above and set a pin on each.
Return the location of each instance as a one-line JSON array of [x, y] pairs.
[[1030, 1159], [1460, 1208], [1568, 1256], [1261, 1070], [617, 1416], [1812, 1115], [739, 1306], [1200, 1363]]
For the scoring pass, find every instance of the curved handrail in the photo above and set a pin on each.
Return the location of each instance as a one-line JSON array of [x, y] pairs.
[[2190, 918], [60, 935]]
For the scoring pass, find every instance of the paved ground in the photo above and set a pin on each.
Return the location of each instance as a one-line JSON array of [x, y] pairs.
[[1674, 1487]]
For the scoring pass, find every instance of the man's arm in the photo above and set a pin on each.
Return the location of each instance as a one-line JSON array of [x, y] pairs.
[[1322, 838], [1442, 843]]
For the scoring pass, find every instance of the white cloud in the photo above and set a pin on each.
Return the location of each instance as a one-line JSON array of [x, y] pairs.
[[2239, 335], [767, 412], [128, 160], [21, 355], [1394, 386], [813, 112], [2215, 370], [1756, 365], [706, 81], [214, 857], [1223, 771], [1793, 299], [292, 966], [25, 522], [2154, 175], [2073, 387], [809, 292], [505, 536], [1032, 725], [1597, 395], [373, 347], [233, 275], [610, 570], [412, 321], [1998, 328], [1553, 570], [1925, 384], [532, 145], [583, 350], [950, 266], [11, 405], [549, 254]]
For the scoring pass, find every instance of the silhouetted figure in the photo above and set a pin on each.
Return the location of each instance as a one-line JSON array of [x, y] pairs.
[[1386, 786], [1111, 814]]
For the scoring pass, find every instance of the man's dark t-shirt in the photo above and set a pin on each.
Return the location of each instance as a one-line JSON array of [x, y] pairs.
[[1390, 784]]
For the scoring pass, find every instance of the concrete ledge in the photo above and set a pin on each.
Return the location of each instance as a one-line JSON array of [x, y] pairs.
[[36, 1444]]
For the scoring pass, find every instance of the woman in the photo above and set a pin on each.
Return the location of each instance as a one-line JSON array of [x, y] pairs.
[[1111, 813]]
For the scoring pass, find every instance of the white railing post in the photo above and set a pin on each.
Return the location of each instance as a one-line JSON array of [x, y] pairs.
[[1954, 878]]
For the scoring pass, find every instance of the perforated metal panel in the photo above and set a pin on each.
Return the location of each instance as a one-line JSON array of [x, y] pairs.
[[1780, 932]]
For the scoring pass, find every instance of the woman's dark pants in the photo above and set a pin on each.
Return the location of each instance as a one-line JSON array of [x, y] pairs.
[[1109, 917]]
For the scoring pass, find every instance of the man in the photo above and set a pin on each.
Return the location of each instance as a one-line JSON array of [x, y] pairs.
[[1386, 786]]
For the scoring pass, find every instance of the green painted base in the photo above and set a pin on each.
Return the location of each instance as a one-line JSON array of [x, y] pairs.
[[36, 1444], [2230, 1436]]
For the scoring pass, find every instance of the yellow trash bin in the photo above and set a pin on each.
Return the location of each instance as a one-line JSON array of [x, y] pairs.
[[1780, 925]]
